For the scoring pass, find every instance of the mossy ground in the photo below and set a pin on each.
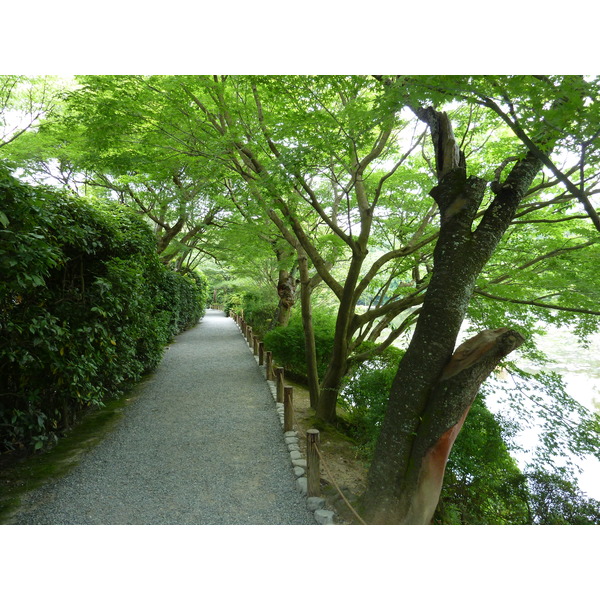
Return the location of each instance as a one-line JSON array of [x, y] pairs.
[[20, 474]]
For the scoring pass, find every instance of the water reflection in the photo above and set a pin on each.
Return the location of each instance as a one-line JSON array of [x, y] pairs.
[[580, 369]]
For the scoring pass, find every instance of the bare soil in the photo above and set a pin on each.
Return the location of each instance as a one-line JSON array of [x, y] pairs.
[[343, 472]]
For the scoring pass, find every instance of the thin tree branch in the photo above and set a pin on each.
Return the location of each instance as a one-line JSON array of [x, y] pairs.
[[584, 311], [538, 259], [544, 159]]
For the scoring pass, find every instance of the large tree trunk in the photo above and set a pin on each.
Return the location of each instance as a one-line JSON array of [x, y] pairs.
[[286, 290], [330, 386], [338, 362], [428, 404], [306, 288], [412, 496]]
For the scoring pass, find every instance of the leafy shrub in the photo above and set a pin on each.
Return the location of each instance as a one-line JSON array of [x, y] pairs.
[[287, 343], [85, 307], [483, 484], [257, 307], [260, 318], [557, 500], [365, 393], [183, 297]]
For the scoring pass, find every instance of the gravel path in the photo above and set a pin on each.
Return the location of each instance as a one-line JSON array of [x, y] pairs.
[[200, 444]]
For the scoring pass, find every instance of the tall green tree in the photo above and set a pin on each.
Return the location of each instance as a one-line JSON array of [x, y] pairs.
[[101, 141], [436, 383], [24, 103], [336, 169]]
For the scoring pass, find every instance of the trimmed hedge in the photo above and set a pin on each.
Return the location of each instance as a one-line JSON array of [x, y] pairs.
[[257, 308], [288, 346], [86, 307]]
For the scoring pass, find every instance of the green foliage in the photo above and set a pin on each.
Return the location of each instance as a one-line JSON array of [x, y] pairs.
[[556, 500], [365, 394], [483, 484], [85, 308], [565, 428], [166, 144], [257, 307], [287, 343], [183, 298], [260, 317], [232, 302], [24, 101]]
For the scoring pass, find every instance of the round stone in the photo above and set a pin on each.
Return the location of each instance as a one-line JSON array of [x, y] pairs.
[[302, 485], [324, 517], [314, 502]]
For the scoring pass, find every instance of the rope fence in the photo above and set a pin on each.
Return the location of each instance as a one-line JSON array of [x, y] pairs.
[[284, 395], [337, 487]]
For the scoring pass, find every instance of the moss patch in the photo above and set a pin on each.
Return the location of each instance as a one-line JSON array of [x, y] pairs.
[[22, 474]]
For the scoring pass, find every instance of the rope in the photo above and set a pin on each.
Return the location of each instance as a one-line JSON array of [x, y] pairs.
[[333, 481], [328, 471], [324, 462]]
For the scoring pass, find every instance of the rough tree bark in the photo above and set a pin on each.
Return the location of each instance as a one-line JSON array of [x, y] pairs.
[[434, 389], [286, 290], [448, 404], [307, 285]]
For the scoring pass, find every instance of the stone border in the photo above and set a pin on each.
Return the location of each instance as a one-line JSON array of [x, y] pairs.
[[315, 504]]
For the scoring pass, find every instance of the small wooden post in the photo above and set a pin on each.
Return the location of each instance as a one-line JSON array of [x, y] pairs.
[[269, 364], [313, 463], [250, 336], [261, 353], [255, 346], [288, 409], [279, 377]]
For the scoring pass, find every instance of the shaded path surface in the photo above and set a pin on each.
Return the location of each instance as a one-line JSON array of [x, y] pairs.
[[200, 444]]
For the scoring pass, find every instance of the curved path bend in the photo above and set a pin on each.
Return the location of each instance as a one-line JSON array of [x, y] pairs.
[[201, 443]]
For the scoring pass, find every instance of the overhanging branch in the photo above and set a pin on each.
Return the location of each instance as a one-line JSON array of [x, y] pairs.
[[584, 311], [545, 159]]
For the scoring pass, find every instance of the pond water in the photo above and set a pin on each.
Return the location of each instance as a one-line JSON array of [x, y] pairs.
[[580, 369]]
